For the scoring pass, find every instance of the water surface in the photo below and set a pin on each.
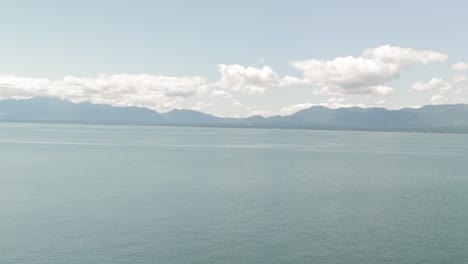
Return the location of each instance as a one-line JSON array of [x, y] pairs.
[[121, 194]]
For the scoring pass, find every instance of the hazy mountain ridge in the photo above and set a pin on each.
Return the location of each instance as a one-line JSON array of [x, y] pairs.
[[431, 118]]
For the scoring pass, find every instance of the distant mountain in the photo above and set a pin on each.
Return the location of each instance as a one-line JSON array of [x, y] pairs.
[[432, 118], [43, 109], [191, 117]]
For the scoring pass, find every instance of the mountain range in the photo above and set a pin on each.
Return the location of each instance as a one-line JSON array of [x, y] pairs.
[[430, 118]]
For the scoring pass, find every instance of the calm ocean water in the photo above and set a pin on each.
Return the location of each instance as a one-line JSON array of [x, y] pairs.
[[120, 194]]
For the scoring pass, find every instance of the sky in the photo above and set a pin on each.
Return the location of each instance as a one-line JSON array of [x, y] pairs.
[[236, 58]]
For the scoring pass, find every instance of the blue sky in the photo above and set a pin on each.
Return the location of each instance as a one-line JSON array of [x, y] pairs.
[[169, 54]]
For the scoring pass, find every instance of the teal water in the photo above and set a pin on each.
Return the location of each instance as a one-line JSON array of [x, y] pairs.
[[121, 194]]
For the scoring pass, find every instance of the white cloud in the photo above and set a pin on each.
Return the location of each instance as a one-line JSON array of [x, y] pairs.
[[251, 80], [289, 110], [289, 80], [433, 84], [408, 106], [461, 66], [156, 92], [459, 78], [140, 84], [221, 93], [260, 113], [404, 57], [19, 87], [382, 91], [439, 99], [377, 91], [333, 103], [237, 103], [199, 106], [366, 73], [254, 111], [445, 90]]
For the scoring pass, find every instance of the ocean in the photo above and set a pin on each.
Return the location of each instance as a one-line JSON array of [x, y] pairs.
[[173, 195]]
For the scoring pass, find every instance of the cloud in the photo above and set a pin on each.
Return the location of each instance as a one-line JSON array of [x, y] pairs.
[[156, 92], [221, 93], [139, 84], [254, 111], [433, 84], [18, 87], [382, 91], [289, 110], [251, 80], [237, 103], [160, 93], [461, 66], [444, 89], [199, 106], [289, 80], [333, 103], [377, 91], [404, 57], [366, 74], [459, 78], [439, 99]]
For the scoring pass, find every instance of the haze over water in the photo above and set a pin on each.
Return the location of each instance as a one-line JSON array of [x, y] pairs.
[[172, 195]]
